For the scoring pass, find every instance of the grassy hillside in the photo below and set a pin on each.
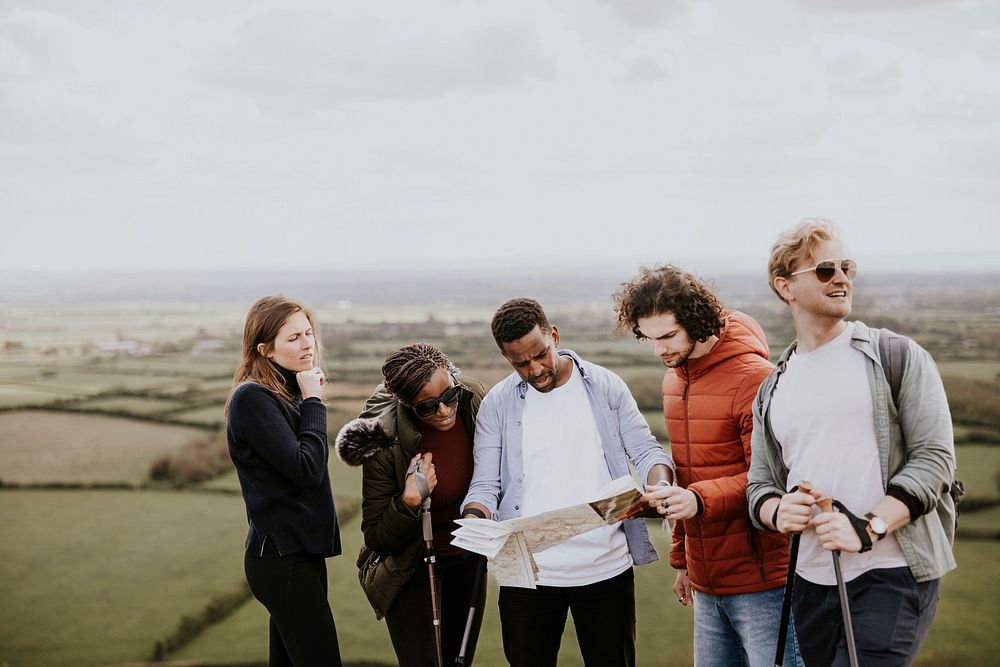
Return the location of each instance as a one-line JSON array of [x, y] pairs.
[[43, 446], [98, 577]]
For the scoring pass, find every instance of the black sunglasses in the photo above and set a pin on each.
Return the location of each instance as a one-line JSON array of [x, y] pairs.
[[449, 397], [826, 270]]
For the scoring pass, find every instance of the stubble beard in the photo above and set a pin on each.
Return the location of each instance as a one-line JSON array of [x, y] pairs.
[[682, 358]]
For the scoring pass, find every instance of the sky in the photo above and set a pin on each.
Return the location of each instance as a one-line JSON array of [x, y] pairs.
[[192, 135]]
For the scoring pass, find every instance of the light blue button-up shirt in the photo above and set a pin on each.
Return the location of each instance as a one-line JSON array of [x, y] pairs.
[[498, 478]]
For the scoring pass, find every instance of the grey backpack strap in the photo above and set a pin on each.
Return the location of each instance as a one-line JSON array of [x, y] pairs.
[[893, 350]]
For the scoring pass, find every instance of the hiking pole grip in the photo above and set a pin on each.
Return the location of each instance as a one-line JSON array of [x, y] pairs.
[[425, 520]]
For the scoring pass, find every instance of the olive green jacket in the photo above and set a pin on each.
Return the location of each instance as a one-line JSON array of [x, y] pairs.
[[382, 440]]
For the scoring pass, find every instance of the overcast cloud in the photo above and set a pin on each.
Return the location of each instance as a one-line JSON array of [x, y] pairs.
[[182, 135]]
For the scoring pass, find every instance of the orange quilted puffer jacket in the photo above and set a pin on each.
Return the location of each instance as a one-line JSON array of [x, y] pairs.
[[708, 404]]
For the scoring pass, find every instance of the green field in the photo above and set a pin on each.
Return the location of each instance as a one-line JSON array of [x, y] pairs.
[[345, 480], [210, 415], [972, 434], [102, 575], [983, 520], [195, 553], [132, 405], [971, 369], [208, 367], [664, 630], [226, 482], [18, 396], [964, 632], [978, 467], [42, 447], [89, 383], [659, 427]]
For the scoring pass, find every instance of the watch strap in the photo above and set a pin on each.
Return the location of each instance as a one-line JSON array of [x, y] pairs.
[[878, 535]]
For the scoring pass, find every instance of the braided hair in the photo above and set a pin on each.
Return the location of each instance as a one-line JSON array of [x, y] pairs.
[[408, 369]]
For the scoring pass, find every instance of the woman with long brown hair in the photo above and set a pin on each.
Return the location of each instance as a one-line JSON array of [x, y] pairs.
[[276, 427]]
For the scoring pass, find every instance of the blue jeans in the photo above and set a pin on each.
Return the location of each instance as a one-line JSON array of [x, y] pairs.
[[741, 629]]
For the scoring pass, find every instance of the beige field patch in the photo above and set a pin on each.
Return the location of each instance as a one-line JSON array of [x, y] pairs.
[[38, 446]]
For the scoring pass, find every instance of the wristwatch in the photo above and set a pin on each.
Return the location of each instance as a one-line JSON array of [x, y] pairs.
[[877, 525]]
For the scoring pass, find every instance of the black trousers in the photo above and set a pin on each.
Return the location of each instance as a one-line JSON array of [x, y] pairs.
[[410, 621], [293, 588], [532, 622], [890, 612]]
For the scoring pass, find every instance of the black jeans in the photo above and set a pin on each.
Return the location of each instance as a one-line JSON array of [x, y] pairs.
[[890, 612], [532, 622], [293, 588], [410, 621]]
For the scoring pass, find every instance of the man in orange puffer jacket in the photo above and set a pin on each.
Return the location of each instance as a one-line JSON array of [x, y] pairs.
[[731, 572]]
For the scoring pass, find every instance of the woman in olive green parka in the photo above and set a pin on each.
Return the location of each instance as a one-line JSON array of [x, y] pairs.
[[424, 414]]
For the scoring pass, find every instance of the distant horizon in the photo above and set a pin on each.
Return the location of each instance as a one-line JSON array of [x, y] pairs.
[[987, 261], [438, 289]]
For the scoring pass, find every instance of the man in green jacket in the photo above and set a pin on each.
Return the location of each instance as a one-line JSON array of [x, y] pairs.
[[826, 414]]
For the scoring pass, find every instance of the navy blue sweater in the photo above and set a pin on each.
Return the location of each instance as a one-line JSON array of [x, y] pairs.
[[281, 455]]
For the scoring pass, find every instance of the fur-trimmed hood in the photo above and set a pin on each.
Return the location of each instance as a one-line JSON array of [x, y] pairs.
[[384, 424], [362, 438]]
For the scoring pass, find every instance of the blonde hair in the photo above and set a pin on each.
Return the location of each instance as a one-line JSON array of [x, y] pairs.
[[795, 245], [263, 322]]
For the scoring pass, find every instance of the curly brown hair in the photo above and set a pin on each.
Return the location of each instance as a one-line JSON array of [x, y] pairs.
[[514, 319], [668, 289]]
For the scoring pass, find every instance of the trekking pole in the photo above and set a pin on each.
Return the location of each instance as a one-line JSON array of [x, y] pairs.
[[425, 515], [477, 590], [786, 602], [429, 558], [826, 505]]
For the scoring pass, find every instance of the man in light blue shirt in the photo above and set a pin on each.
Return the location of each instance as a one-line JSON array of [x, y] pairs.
[[549, 435]]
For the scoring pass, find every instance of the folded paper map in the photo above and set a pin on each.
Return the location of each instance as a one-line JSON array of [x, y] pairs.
[[510, 545]]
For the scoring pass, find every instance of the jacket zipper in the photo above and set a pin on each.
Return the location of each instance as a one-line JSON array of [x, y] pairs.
[[687, 444]]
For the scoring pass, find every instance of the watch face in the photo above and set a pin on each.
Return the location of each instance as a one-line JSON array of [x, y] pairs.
[[879, 526]]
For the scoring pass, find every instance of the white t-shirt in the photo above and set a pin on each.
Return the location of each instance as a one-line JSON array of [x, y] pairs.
[[822, 414], [564, 465]]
